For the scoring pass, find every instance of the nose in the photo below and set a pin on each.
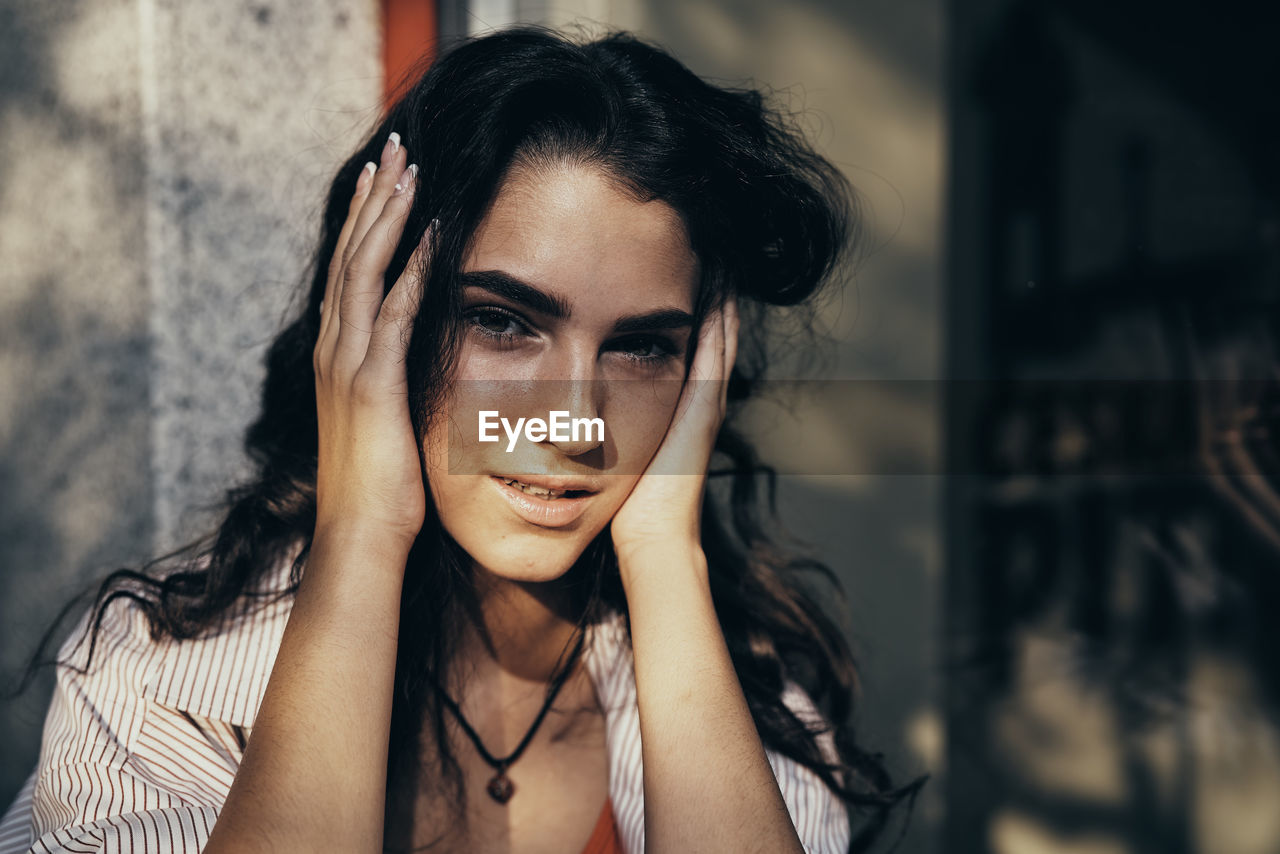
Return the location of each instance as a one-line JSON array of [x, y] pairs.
[[583, 429], [576, 392]]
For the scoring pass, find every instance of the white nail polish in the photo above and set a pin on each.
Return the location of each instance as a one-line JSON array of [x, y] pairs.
[[395, 142], [406, 179]]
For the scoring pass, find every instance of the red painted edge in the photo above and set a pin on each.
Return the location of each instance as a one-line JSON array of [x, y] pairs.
[[408, 42]]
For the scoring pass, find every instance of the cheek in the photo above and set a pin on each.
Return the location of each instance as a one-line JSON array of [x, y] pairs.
[[452, 443], [445, 490], [454, 488], [637, 417], [435, 449]]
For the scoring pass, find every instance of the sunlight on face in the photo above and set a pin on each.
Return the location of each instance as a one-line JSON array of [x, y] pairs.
[[576, 298]]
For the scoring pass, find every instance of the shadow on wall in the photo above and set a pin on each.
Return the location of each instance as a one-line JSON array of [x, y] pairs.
[[153, 228], [74, 445]]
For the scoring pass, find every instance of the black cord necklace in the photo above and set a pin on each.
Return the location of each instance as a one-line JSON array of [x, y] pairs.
[[500, 787]]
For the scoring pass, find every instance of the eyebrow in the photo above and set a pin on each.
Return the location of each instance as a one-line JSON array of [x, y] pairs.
[[509, 287], [664, 318], [505, 285]]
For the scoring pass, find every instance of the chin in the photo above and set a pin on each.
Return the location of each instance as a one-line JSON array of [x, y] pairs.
[[528, 562], [514, 550]]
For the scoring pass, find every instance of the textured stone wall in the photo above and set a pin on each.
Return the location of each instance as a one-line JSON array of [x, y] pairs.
[[247, 110], [161, 173]]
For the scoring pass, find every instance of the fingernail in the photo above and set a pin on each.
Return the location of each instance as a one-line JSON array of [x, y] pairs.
[[392, 146], [409, 176], [366, 176]]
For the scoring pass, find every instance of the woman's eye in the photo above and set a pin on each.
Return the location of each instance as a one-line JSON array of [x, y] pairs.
[[504, 327], [647, 349], [495, 322]]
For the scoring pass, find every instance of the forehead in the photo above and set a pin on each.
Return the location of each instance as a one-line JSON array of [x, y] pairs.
[[567, 230]]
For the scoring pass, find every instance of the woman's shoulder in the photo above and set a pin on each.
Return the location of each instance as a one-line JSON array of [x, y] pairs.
[[144, 732], [819, 815], [112, 657]]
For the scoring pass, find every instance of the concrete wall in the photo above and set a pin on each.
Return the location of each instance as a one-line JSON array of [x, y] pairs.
[[162, 167], [75, 488]]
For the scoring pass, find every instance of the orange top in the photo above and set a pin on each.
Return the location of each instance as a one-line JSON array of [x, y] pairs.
[[604, 839]]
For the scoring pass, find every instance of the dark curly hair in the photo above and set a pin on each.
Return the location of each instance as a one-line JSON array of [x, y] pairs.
[[768, 218]]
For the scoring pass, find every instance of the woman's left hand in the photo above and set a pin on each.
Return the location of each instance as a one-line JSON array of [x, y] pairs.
[[708, 784], [665, 506]]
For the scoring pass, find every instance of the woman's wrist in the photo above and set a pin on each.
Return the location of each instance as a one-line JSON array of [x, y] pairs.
[[361, 535], [359, 559], [656, 562]]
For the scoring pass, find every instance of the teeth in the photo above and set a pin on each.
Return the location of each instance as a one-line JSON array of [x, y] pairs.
[[529, 489]]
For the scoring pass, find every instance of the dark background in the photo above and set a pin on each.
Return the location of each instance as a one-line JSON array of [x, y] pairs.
[[1113, 215]]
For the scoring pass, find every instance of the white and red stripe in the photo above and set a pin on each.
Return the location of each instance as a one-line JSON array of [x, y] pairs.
[[139, 754]]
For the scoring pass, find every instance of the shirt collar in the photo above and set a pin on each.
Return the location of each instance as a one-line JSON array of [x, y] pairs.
[[224, 677]]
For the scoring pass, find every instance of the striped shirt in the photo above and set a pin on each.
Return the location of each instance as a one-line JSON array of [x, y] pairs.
[[138, 754]]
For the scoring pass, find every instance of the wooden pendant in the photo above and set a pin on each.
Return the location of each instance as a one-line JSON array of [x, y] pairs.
[[501, 788]]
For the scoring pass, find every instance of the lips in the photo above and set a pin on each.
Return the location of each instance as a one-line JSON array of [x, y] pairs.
[[547, 502], [539, 491]]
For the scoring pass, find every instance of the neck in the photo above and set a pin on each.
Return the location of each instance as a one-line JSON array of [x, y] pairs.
[[524, 630]]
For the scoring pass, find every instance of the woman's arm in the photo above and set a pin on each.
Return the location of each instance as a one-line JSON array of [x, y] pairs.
[[708, 785], [314, 771]]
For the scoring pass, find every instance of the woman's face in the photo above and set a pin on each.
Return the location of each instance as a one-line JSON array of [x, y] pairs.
[[578, 300]]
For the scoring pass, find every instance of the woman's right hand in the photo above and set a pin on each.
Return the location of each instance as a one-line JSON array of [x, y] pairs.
[[368, 470]]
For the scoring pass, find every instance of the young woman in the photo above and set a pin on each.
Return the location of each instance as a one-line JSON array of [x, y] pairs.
[[404, 637]]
